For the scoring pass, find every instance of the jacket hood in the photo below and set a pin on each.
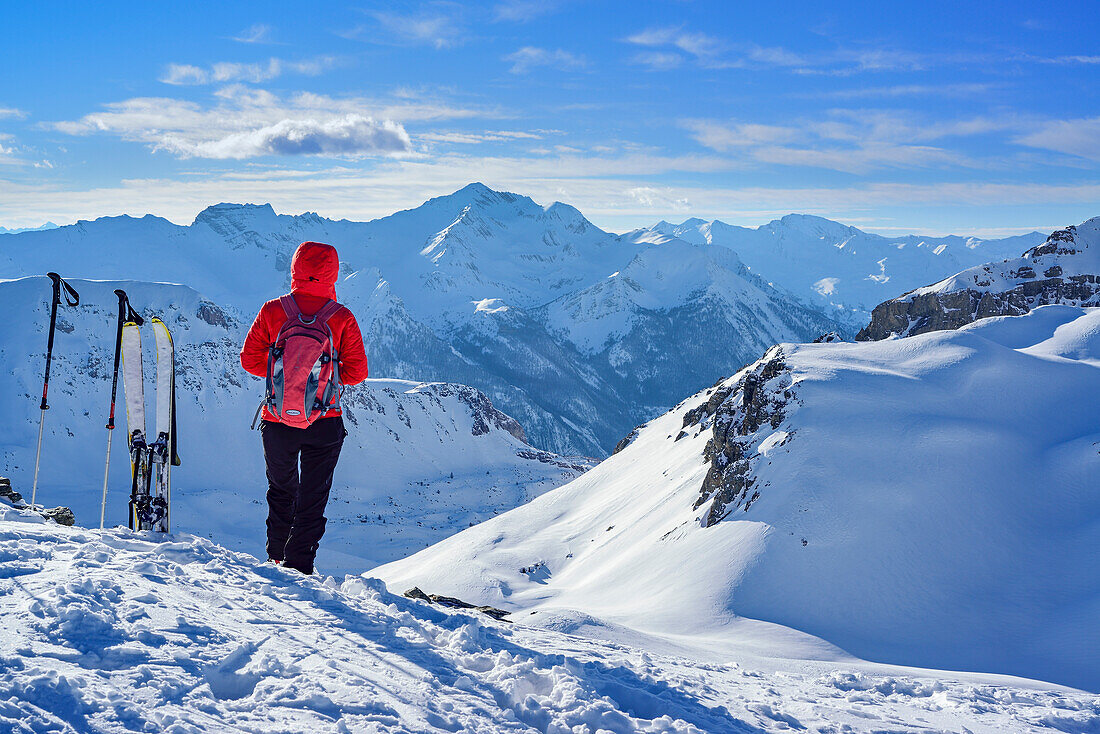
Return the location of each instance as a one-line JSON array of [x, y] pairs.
[[314, 270]]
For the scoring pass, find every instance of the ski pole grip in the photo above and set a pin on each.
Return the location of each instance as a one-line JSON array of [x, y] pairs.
[[56, 286], [131, 314], [71, 296]]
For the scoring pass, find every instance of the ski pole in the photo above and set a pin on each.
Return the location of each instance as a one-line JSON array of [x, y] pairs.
[[72, 298], [125, 313]]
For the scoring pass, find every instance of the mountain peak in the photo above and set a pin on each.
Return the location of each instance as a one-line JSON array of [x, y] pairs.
[[226, 210]]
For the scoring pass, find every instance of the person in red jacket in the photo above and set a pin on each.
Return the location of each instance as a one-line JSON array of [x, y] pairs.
[[296, 499]]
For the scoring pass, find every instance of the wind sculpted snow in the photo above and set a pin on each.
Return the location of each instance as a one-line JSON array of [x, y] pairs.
[[922, 501], [116, 631]]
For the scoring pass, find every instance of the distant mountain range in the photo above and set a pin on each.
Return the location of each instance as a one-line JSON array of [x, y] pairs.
[[17, 230], [578, 333], [843, 270], [1063, 269]]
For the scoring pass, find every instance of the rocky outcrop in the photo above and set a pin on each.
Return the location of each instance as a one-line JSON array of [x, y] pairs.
[[829, 338], [739, 415], [485, 415], [450, 601], [1063, 269], [60, 515], [627, 439], [577, 464]]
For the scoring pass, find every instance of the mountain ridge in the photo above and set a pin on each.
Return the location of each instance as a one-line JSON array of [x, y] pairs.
[[467, 288]]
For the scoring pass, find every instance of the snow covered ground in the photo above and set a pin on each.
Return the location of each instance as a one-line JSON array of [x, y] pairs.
[[114, 631], [924, 501]]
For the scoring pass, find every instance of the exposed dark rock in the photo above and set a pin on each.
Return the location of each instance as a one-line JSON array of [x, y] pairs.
[[936, 310], [545, 457], [484, 414], [10, 494], [213, 315], [735, 413], [627, 439], [829, 338], [450, 601], [416, 593], [60, 515]]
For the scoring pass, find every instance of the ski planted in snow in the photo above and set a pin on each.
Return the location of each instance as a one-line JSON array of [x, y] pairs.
[[126, 314], [162, 452], [133, 382], [150, 461]]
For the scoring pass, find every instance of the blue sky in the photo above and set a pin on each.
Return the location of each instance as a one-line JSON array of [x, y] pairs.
[[926, 117]]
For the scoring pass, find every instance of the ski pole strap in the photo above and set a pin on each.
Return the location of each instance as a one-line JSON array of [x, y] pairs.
[[132, 315], [71, 296]]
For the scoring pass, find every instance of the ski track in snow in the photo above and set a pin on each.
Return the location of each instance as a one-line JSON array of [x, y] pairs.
[[116, 631]]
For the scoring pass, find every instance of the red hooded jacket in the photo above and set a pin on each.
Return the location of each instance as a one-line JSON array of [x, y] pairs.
[[313, 274]]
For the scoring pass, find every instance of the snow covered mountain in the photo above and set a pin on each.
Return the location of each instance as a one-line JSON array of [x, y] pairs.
[[116, 631], [1063, 269], [17, 230], [924, 501], [420, 461], [840, 268], [577, 333]]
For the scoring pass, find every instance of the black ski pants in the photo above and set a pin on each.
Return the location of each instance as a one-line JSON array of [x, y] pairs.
[[296, 500]]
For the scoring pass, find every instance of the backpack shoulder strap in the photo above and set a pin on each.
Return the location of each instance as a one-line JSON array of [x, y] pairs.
[[290, 306], [327, 311]]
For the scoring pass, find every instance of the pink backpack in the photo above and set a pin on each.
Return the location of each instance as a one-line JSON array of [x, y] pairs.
[[303, 379]]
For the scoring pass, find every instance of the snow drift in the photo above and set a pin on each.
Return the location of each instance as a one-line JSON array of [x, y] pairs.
[[925, 501], [126, 632]]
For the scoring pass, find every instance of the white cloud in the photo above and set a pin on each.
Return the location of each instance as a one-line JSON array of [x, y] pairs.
[[468, 138], [226, 71], [658, 60], [658, 198], [440, 29], [523, 11], [529, 57], [721, 137], [909, 90], [1075, 137], [11, 112], [348, 136], [253, 122], [775, 56], [256, 33], [1076, 59], [699, 45], [852, 140]]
